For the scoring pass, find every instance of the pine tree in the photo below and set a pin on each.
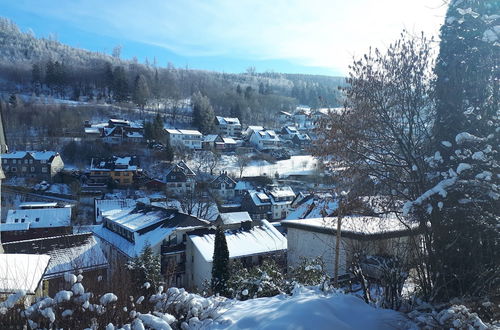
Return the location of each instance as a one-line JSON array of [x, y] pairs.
[[464, 218], [203, 113], [220, 265], [146, 268], [120, 84], [141, 91]]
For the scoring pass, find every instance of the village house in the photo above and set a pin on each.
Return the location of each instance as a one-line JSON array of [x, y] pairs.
[[125, 233], [227, 126], [213, 142], [301, 140], [223, 186], [234, 220], [285, 117], [281, 199], [120, 170], [42, 165], [288, 132], [362, 235], [68, 253], [265, 140], [247, 244], [190, 139], [251, 129], [257, 204], [36, 220], [115, 131], [180, 179]]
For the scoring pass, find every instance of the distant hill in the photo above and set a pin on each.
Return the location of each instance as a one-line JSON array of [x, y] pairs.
[[45, 66]]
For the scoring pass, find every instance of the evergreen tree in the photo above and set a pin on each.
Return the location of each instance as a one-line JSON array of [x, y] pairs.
[[146, 268], [238, 89], [203, 113], [120, 84], [220, 265], [464, 215], [141, 91]]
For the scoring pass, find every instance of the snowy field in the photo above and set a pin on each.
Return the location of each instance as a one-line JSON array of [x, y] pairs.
[[295, 165], [309, 309]]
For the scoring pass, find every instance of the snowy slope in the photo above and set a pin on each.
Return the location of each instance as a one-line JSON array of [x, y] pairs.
[[309, 309]]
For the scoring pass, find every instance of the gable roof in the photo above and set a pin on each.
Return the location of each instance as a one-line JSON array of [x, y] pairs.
[[227, 120], [183, 167], [37, 155], [357, 227], [267, 135], [257, 240], [234, 217], [41, 218], [114, 164], [68, 253], [22, 272], [223, 177]]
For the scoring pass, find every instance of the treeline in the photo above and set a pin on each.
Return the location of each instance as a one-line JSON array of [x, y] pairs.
[[47, 67]]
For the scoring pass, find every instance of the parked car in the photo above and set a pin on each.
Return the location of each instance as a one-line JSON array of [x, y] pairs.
[[375, 266]]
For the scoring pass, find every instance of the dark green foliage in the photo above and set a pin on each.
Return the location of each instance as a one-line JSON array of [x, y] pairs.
[[466, 252], [310, 272], [203, 113], [120, 84], [146, 268], [220, 265], [141, 91]]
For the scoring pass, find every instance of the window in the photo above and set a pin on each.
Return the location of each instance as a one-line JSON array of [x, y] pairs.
[[32, 169], [16, 220], [31, 161], [14, 161], [14, 169], [22, 220], [26, 161], [5, 161], [23, 169], [37, 219], [44, 169], [43, 161]]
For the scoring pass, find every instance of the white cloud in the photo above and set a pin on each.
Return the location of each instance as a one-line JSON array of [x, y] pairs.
[[324, 33]]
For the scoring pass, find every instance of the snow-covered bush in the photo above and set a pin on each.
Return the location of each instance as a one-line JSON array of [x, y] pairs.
[[310, 272], [453, 317], [78, 309], [264, 280]]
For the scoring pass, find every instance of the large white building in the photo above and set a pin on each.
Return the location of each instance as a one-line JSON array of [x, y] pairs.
[[362, 235], [249, 245], [227, 126], [263, 140], [190, 139]]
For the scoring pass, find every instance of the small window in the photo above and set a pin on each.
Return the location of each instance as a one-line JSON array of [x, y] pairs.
[[16, 220], [32, 169], [31, 161], [22, 220], [5, 161], [14, 169], [26, 161], [14, 161], [37, 219]]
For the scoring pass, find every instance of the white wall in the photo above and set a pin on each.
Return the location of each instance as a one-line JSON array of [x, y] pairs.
[[198, 270], [302, 243]]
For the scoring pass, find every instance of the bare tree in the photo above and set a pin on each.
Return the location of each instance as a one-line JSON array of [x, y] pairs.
[[383, 132]]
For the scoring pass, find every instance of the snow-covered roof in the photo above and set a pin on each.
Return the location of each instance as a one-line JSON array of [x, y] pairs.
[[22, 272], [281, 192], [37, 155], [107, 207], [183, 131], [228, 140], [135, 220], [258, 240], [259, 198], [135, 135], [37, 205], [92, 130], [14, 226], [67, 253], [291, 129], [114, 164], [41, 218], [356, 226], [210, 138], [234, 217], [314, 206], [267, 135], [227, 120]]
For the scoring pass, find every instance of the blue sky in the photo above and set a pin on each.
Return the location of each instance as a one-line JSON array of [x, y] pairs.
[[295, 36]]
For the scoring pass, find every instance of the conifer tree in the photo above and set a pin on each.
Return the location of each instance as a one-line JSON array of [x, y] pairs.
[[203, 113], [464, 214], [141, 91], [220, 266], [146, 268]]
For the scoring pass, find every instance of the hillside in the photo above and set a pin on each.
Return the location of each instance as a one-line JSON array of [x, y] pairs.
[[45, 66]]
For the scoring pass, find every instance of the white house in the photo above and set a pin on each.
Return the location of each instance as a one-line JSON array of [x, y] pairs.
[[263, 140], [191, 139], [227, 126], [281, 199], [311, 238], [248, 245]]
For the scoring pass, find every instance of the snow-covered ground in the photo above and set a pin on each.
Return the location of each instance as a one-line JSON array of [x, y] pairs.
[[309, 309], [295, 165]]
